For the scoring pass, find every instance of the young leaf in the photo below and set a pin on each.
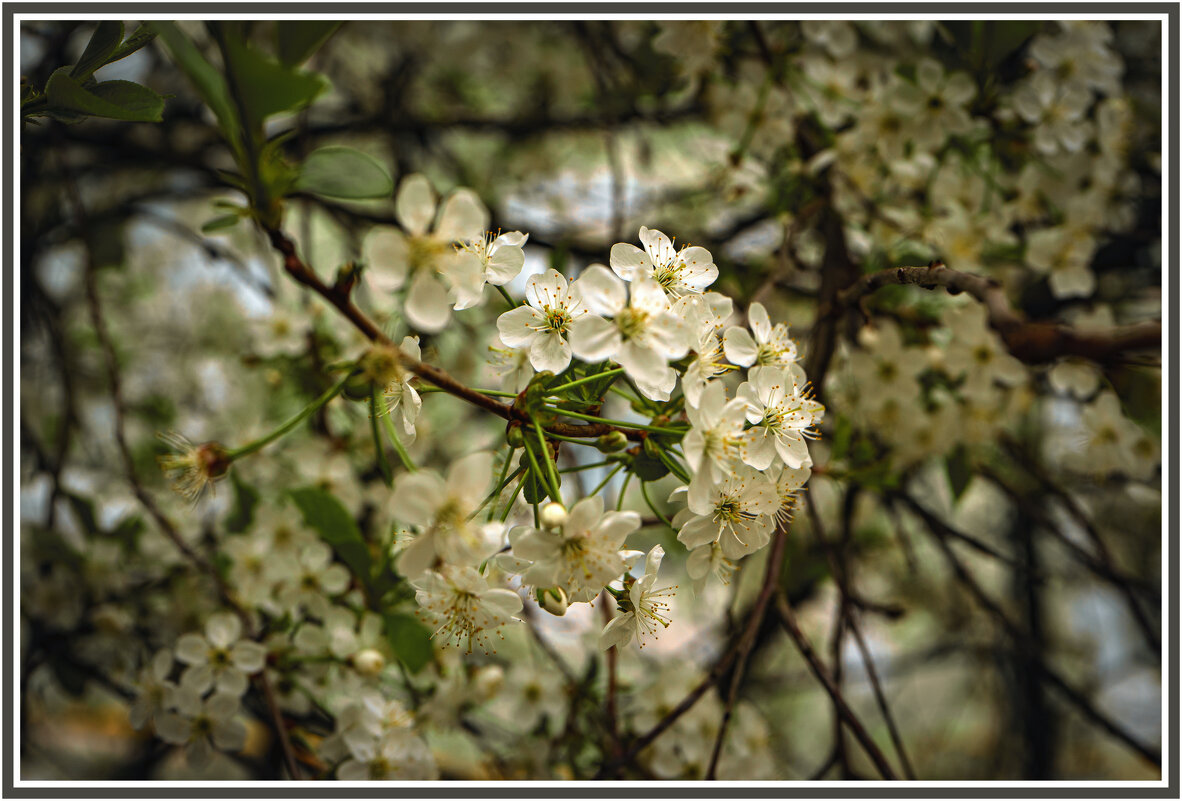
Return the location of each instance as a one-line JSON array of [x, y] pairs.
[[220, 223], [342, 172], [266, 86], [208, 82], [118, 100], [297, 40], [336, 526], [103, 42], [142, 36]]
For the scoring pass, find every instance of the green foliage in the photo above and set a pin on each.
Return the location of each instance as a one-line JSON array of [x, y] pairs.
[[208, 82], [262, 85], [102, 45], [345, 173], [410, 640], [960, 471], [297, 40], [246, 498], [117, 100], [325, 514], [71, 93]]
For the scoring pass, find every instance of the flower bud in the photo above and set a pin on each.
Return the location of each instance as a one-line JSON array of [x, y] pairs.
[[611, 441], [514, 436], [358, 387], [368, 662], [488, 680], [553, 515], [553, 600]]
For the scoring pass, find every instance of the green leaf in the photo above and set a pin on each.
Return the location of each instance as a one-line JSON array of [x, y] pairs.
[[336, 526], [208, 82], [534, 490], [103, 42], [142, 37], [246, 498], [298, 40], [118, 100], [267, 87], [342, 172], [410, 641], [960, 472], [220, 223], [648, 468]]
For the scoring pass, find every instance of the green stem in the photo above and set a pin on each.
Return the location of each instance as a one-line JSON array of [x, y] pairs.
[[673, 466], [623, 489], [513, 500], [398, 448], [586, 380], [583, 467], [617, 423], [376, 411], [651, 505], [603, 483], [304, 414], [533, 463], [496, 493], [508, 298], [551, 471]]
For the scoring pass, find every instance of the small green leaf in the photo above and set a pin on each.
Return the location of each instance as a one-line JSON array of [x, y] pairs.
[[960, 472], [410, 641], [534, 490], [220, 223], [298, 40], [342, 172], [118, 100], [648, 467], [103, 42], [142, 37], [325, 514]]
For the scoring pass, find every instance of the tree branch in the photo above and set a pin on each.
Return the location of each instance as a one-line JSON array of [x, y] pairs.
[[1031, 342]]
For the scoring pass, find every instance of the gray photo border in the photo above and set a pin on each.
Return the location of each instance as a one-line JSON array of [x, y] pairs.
[[577, 790]]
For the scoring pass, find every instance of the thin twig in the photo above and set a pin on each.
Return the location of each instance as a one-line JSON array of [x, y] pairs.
[[771, 579], [788, 620]]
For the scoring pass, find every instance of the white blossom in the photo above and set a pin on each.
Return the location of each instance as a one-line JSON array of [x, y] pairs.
[[463, 608], [641, 334], [642, 609], [221, 658], [543, 327], [679, 272]]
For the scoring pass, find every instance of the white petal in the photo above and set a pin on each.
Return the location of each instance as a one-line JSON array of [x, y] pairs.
[[550, 352], [602, 292], [415, 205], [629, 261], [222, 629], [594, 339], [385, 255], [517, 326], [504, 265], [248, 656], [464, 217], [427, 306], [192, 649], [739, 347]]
